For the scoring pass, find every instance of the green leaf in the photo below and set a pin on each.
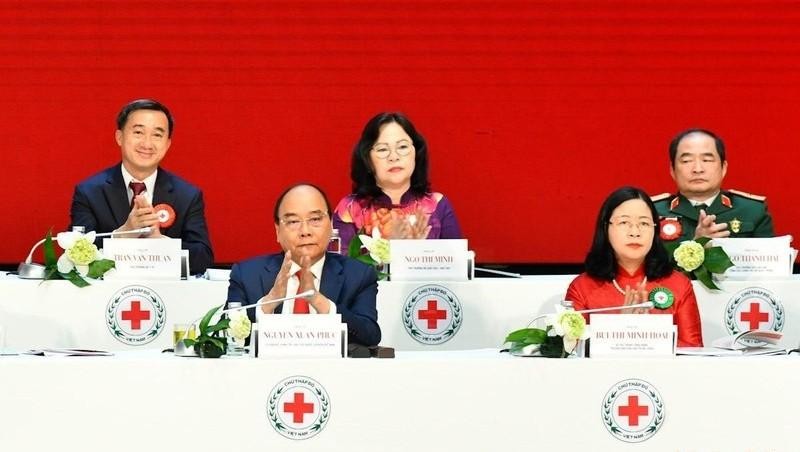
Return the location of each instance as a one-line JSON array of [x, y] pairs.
[[188, 343], [221, 325], [354, 249], [98, 268], [705, 277], [702, 240], [74, 278], [207, 318], [218, 342], [552, 347], [49, 251], [717, 260], [527, 336]]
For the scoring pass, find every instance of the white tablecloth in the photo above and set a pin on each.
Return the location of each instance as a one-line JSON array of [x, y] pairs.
[[57, 314], [421, 401]]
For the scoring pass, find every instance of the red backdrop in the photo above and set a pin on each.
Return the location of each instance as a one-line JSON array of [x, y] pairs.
[[534, 110]]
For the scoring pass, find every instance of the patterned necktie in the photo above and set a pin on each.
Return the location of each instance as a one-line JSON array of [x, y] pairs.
[[300, 304], [138, 188]]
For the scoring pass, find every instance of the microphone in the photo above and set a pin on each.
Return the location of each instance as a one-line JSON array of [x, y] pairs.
[[30, 270], [181, 349]]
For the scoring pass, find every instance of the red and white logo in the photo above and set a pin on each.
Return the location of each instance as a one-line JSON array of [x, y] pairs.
[[298, 407], [671, 228], [754, 308], [432, 314], [135, 315], [633, 410], [166, 215]]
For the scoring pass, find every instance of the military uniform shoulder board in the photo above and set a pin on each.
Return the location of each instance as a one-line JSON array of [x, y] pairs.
[[661, 197], [748, 195]]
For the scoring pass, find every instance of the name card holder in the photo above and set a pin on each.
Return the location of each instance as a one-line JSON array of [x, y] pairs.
[[632, 336], [301, 336], [144, 258], [758, 258], [429, 260]]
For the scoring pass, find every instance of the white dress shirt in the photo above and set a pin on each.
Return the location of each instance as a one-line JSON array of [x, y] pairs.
[[294, 283], [149, 184]]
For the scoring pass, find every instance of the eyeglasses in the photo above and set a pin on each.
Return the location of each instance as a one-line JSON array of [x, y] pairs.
[[294, 224], [383, 150], [642, 225]]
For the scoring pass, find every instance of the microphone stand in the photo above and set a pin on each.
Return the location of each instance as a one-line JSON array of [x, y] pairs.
[[646, 304], [182, 350], [31, 270]]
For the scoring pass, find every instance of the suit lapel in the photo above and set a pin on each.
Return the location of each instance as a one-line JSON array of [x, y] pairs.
[[271, 269], [716, 207], [332, 278], [685, 208], [116, 195], [162, 192]]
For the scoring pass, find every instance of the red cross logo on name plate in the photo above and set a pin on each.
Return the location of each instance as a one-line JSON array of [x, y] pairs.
[[633, 410], [754, 316], [298, 408], [135, 315], [432, 314]]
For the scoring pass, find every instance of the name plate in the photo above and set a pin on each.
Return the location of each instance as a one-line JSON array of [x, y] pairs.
[[144, 258], [632, 335], [429, 260], [758, 258], [302, 336]]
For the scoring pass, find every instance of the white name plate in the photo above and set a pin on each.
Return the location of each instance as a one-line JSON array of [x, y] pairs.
[[302, 336], [758, 258], [429, 260], [632, 335], [144, 258]]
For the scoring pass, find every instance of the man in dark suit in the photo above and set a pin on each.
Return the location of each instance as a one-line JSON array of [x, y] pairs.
[[122, 198], [343, 285]]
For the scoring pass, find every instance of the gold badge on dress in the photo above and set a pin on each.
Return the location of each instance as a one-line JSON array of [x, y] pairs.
[[736, 225]]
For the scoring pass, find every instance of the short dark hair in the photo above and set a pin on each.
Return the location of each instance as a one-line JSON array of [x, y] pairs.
[[602, 263], [144, 104], [292, 187], [673, 145], [363, 175]]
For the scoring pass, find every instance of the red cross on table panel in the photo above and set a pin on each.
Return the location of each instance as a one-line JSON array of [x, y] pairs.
[[433, 314], [633, 410], [299, 408], [754, 316], [136, 315]]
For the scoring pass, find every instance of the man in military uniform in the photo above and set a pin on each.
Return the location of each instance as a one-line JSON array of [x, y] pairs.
[[701, 208]]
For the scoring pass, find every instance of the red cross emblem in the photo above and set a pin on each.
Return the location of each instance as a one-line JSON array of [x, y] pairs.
[[633, 410], [754, 316], [299, 407], [433, 314], [135, 315]]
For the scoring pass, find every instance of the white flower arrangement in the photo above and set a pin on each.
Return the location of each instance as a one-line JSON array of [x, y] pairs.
[[81, 260], [558, 339]]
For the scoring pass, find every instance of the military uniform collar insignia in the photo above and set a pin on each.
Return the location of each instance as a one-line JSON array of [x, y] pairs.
[[726, 201], [675, 202]]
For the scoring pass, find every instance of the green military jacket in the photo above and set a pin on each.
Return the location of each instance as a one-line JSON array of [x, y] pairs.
[[745, 214]]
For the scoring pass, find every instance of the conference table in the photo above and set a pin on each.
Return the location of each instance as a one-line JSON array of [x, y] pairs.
[[413, 316], [459, 393], [478, 400]]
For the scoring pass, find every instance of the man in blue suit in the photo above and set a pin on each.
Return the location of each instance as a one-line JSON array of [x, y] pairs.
[[121, 198], [343, 285]]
